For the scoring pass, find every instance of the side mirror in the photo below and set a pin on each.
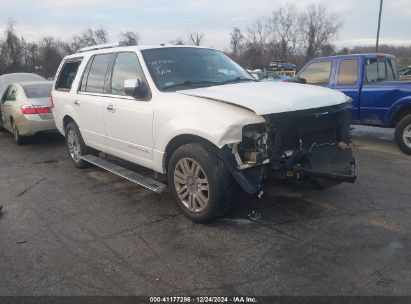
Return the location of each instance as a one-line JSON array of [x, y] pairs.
[[135, 88]]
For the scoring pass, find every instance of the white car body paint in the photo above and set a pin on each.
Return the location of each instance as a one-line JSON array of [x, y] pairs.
[[271, 97], [216, 113]]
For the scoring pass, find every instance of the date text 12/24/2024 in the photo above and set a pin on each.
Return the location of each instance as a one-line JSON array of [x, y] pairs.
[[204, 299]]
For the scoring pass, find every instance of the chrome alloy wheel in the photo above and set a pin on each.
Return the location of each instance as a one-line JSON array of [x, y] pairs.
[[73, 145], [406, 135], [191, 184]]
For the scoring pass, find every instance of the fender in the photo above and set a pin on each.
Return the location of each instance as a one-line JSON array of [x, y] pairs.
[[217, 131], [395, 108]]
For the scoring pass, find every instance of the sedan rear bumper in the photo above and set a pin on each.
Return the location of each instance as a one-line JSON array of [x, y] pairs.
[[29, 125]]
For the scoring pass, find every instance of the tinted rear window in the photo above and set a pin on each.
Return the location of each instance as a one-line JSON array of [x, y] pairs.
[[38, 90], [67, 75], [94, 81], [381, 69]]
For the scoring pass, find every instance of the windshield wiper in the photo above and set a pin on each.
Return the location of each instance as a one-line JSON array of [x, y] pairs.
[[190, 83], [237, 79]]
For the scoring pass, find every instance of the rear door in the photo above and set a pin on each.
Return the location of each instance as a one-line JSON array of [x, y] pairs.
[[91, 99], [348, 82], [128, 120], [379, 89]]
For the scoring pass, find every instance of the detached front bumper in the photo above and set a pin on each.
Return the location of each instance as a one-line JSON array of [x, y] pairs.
[[329, 164], [350, 177], [326, 165]]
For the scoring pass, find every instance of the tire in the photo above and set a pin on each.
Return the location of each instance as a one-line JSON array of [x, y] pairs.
[[76, 146], [403, 134], [20, 140], [200, 182]]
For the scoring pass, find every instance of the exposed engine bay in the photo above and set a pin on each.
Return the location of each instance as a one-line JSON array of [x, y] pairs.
[[294, 147]]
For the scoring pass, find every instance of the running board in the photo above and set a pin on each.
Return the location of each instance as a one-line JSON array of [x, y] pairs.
[[132, 176]]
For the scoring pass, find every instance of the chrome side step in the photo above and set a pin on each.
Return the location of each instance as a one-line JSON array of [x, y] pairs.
[[132, 176]]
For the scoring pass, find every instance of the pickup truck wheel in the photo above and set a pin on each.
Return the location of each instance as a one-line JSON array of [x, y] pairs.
[[403, 134], [199, 182], [76, 146]]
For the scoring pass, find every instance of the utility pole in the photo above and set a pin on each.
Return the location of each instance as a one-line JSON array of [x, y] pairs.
[[378, 30]]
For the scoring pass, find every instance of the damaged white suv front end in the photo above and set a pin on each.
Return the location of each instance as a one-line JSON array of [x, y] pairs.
[[304, 136]]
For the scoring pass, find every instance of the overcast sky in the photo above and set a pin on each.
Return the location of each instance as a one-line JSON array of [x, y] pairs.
[[160, 21]]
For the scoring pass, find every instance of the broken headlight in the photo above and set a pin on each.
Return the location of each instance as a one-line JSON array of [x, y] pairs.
[[253, 149]]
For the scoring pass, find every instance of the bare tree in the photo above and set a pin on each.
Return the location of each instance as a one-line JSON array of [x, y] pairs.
[[196, 38], [101, 35], [284, 30], [178, 41], [11, 51], [130, 38], [237, 39], [256, 38], [318, 29]]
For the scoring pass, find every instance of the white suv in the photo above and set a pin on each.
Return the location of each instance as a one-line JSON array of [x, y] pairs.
[[193, 114]]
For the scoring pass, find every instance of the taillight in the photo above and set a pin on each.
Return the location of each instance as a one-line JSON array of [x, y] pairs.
[[35, 110], [52, 101]]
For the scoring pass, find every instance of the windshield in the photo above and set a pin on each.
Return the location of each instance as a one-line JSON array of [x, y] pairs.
[[38, 90], [192, 67]]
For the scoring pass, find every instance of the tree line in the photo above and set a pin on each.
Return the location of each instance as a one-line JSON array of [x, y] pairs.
[[287, 33], [44, 56]]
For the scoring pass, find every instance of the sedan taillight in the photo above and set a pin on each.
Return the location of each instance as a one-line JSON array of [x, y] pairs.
[[35, 109]]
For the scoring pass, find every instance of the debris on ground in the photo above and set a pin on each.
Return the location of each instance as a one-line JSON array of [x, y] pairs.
[[1, 208], [255, 215], [21, 242]]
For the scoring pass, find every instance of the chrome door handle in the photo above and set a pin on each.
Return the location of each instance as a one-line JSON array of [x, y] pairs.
[[76, 102], [110, 107]]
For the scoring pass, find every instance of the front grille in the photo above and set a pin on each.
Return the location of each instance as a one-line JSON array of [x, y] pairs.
[[311, 128]]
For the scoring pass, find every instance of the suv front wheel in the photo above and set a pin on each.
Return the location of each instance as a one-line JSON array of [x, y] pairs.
[[199, 182], [76, 146]]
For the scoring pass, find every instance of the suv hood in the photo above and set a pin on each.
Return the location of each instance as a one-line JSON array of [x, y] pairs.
[[270, 97]]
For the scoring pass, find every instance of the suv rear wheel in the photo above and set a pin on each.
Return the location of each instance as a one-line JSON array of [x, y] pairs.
[[76, 146], [403, 134], [199, 182]]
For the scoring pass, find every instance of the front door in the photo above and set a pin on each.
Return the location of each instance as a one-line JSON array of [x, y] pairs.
[[128, 120]]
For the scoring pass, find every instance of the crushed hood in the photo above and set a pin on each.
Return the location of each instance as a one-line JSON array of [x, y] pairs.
[[268, 97]]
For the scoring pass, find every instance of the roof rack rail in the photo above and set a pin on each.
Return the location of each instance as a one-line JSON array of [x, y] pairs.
[[101, 46]]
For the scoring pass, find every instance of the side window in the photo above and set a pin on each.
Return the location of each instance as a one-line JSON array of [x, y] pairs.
[[375, 70], [67, 75], [126, 66], [392, 69], [381, 69], [317, 73], [94, 82], [11, 94], [348, 73]]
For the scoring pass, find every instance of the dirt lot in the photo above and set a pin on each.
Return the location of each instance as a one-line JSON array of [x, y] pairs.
[[65, 231]]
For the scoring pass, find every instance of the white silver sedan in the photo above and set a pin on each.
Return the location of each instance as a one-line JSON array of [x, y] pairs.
[[26, 109]]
